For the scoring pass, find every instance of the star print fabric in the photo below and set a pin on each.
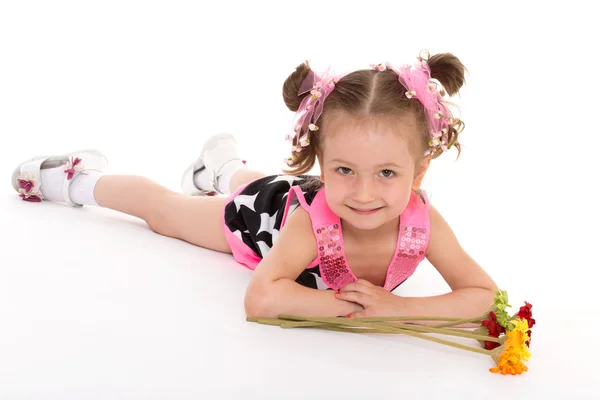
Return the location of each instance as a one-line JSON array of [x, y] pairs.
[[255, 214]]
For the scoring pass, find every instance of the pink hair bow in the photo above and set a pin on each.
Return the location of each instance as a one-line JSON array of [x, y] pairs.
[[418, 83], [310, 109]]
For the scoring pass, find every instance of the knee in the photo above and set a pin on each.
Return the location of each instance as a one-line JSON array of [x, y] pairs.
[[159, 217]]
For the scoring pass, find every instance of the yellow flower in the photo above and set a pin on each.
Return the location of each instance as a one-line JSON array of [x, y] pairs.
[[518, 337], [520, 325]]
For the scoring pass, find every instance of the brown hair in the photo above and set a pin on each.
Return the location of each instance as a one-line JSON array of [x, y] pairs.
[[370, 92]]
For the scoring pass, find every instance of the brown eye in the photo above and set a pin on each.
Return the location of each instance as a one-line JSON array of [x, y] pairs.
[[387, 173]]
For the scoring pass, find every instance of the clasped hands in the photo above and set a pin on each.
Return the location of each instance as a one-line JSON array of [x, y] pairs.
[[375, 300]]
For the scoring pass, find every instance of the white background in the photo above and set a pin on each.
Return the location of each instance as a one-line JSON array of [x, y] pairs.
[[94, 305]]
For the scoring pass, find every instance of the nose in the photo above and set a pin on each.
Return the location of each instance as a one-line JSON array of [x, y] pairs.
[[364, 191]]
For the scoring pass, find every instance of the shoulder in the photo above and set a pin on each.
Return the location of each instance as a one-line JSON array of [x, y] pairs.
[[298, 230], [292, 252]]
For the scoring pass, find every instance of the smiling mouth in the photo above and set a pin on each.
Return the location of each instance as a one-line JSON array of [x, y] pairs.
[[365, 211]]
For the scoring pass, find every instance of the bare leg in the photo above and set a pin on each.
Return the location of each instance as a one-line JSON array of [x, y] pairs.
[[243, 176], [194, 219]]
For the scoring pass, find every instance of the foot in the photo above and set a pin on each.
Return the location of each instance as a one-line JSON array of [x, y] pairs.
[[209, 175], [27, 177]]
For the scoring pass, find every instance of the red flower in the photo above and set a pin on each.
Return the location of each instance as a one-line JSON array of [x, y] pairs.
[[494, 330], [525, 313]]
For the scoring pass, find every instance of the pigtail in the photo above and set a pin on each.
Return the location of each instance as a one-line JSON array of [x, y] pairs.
[[303, 161], [450, 72], [292, 84]]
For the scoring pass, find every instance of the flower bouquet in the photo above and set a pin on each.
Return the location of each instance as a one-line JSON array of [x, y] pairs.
[[506, 339]]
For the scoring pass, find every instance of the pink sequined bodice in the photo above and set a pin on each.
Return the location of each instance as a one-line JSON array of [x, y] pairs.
[[413, 238]]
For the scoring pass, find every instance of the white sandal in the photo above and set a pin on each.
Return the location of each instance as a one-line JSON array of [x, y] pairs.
[[26, 177], [212, 162]]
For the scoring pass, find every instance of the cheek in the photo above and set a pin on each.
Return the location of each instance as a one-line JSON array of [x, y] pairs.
[[397, 194], [333, 179], [336, 187]]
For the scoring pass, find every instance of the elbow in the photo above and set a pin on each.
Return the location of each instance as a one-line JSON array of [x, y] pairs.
[[486, 299], [258, 305]]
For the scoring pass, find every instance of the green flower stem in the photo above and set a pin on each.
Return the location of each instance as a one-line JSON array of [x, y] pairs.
[[308, 324], [357, 321], [442, 341], [372, 319], [265, 321], [387, 329], [427, 329], [319, 325], [346, 329], [459, 322], [450, 332]]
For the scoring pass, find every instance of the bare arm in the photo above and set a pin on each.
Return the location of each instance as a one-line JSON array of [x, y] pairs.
[[273, 291], [288, 297], [472, 288]]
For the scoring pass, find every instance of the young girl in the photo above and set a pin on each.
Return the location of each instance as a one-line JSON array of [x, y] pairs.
[[358, 230]]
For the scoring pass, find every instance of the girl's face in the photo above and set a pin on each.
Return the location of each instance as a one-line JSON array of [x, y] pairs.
[[368, 167]]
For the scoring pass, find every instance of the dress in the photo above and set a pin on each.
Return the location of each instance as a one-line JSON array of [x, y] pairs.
[[255, 213]]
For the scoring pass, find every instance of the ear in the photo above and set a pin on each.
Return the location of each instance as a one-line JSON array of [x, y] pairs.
[[420, 172]]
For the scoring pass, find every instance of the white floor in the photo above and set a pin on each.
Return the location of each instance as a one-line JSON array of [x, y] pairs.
[[94, 305]]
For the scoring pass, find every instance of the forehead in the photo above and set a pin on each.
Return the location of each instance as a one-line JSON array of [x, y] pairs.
[[376, 138]]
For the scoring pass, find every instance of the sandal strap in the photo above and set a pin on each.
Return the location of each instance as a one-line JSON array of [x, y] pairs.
[[73, 168], [66, 185], [77, 166], [216, 174]]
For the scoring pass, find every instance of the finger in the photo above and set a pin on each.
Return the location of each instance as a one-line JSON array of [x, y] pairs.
[[355, 287], [356, 297], [360, 314], [365, 282]]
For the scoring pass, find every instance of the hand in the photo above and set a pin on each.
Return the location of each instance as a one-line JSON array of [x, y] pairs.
[[376, 301]]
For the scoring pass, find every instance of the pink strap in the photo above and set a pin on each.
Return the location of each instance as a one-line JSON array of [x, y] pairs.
[[331, 256], [413, 240]]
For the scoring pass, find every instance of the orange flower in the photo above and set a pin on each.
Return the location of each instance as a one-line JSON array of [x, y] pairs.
[[509, 363], [509, 357]]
